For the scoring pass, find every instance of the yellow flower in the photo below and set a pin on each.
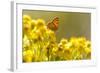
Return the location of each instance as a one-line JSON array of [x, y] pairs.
[[87, 50], [26, 42], [40, 23], [28, 55], [43, 29], [88, 44], [64, 41], [50, 32], [81, 39], [51, 35], [68, 45], [54, 48], [36, 35], [27, 28], [33, 24], [26, 18], [26, 24], [67, 55], [88, 53]]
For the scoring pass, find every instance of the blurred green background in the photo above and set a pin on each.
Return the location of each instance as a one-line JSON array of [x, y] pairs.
[[71, 24]]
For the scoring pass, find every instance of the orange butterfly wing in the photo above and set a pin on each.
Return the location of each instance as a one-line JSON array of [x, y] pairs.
[[54, 24]]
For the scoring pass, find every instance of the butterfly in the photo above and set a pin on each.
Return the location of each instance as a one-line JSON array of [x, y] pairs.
[[54, 24]]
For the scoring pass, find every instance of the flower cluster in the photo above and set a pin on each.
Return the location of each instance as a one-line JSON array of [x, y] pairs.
[[39, 44]]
